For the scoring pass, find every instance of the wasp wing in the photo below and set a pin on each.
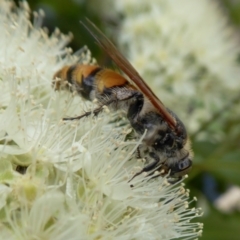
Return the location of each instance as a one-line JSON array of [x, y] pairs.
[[129, 70]]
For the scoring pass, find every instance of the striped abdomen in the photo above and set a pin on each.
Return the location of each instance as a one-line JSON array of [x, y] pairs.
[[90, 81]]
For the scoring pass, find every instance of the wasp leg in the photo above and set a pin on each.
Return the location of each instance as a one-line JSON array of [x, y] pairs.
[[118, 97], [170, 180], [96, 111], [138, 153], [149, 167]]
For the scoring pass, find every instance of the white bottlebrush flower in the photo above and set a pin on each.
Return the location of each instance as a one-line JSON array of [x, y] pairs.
[[75, 185], [185, 50]]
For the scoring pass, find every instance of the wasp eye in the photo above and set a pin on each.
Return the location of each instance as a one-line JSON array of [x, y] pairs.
[[186, 163]]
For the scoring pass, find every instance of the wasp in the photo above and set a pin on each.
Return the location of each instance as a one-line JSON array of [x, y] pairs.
[[165, 136]]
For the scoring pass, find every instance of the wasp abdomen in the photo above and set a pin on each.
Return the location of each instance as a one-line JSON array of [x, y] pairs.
[[89, 81], [108, 79]]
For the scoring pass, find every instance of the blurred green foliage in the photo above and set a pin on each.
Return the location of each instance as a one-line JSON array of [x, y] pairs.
[[220, 159], [232, 7]]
